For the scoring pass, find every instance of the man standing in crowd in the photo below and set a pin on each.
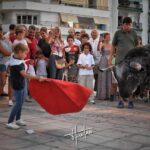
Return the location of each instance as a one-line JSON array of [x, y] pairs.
[[32, 42], [124, 40], [77, 42], [78, 36], [94, 41], [10, 35]]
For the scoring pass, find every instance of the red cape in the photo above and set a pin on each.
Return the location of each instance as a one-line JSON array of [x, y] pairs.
[[59, 97]]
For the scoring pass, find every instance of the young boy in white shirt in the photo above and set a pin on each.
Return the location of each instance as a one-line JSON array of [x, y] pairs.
[[86, 65]]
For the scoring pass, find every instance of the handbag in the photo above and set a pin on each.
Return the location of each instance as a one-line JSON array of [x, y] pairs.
[[114, 80], [60, 63]]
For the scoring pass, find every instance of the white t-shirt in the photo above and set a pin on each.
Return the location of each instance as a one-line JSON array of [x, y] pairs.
[[6, 35], [8, 46], [85, 60], [94, 43], [76, 42], [23, 41], [41, 67], [31, 70]]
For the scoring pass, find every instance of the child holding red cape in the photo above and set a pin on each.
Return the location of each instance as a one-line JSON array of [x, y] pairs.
[[17, 78]]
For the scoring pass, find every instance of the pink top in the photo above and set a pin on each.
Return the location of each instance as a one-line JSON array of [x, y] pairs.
[[57, 48]]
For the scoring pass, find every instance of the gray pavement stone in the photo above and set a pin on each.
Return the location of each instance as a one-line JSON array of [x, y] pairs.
[[39, 138], [14, 143], [139, 138], [36, 147], [96, 139], [65, 144], [145, 133], [134, 130], [122, 145], [114, 129], [96, 148], [145, 148], [4, 137], [113, 133]]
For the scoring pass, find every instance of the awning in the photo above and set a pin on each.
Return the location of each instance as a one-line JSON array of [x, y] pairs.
[[101, 20], [69, 18], [86, 20]]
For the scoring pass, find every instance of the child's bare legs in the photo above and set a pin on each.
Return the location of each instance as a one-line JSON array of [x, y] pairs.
[[2, 81]]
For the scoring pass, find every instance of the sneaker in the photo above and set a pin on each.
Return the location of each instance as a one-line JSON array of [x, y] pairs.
[[92, 101], [20, 122], [12, 126], [130, 105], [10, 103], [120, 104]]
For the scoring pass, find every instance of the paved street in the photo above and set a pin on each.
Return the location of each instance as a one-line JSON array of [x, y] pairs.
[[113, 129]]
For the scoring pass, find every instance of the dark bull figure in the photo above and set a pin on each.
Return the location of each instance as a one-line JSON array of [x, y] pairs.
[[133, 71]]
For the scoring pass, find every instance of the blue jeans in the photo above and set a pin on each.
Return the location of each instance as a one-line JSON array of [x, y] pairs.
[[54, 72], [2, 68], [16, 110]]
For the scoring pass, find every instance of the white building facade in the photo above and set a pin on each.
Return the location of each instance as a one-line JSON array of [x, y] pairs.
[[86, 14], [105, 15]]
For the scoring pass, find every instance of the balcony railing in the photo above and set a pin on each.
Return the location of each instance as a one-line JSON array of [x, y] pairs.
[[131, 6], [83, 3], [74, 3], [102, 7]]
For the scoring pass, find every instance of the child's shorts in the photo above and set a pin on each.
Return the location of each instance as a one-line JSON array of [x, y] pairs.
[[2, 68]]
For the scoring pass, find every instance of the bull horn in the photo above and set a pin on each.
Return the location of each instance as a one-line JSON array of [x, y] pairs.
[[106, 69], [136, 66]]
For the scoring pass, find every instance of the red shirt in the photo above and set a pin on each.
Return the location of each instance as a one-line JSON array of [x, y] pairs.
[[12, 37], [72, 50], [32, 44]]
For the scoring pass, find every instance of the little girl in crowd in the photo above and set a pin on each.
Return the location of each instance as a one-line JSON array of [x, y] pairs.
[[41, 65], [86, 65]]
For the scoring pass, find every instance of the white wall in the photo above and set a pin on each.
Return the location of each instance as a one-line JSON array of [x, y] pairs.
[[144, 20], [113, 4], [47, 18], [8, 17]]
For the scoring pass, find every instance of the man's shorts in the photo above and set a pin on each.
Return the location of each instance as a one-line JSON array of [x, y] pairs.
[[2, 68]]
